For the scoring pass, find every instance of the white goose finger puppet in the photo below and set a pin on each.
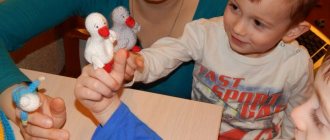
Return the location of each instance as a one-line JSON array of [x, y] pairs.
[[27, 99], [99, 46], [126, 28]]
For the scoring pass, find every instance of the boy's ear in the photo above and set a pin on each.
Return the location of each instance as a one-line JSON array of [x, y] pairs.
[[296, 31]]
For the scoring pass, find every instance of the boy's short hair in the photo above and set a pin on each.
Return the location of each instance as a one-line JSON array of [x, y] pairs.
[[300, 9]]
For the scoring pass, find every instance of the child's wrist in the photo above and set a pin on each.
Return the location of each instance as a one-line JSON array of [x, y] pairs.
[[106, 114]]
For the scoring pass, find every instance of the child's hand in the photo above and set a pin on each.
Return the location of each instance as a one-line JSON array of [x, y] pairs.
[[96, 89], [134, 62], [46, 123]]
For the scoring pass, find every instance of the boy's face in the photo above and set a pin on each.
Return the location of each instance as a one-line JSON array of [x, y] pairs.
[[254, 28], [312, 119]]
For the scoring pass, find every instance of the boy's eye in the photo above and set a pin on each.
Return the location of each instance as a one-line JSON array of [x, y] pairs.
[[316, 119], [257, 22], [233, 6]]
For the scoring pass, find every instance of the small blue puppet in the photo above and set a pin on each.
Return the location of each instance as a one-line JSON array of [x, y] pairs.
[[27, 99]]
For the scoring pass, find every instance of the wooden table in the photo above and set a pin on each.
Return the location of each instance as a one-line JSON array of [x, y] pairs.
[[172, 118]]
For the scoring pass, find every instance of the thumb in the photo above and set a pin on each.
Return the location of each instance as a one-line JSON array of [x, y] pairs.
[[119, 65], [58, 112]]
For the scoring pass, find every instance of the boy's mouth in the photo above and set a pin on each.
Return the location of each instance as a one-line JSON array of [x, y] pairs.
[[237, 41]]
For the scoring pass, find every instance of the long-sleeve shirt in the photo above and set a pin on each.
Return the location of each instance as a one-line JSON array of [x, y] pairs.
[[258, 94], [21, 20], [124, 125]]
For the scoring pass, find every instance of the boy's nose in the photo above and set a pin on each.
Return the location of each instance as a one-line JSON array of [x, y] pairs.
[[240, 28]]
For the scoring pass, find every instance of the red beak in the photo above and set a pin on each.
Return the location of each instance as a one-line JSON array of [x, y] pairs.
[[104, 31], [130, 22]]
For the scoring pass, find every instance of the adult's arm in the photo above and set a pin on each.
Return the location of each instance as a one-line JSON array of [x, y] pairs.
[[20, 21]]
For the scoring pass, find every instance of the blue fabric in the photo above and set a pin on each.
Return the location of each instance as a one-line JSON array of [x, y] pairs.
[[124, 125]]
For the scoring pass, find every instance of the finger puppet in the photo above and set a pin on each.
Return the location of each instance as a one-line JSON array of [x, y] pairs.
[[27, 99], [99, 46], [126, 28]]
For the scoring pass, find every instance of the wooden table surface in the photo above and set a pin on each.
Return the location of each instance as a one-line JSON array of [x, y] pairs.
[[172, 118]]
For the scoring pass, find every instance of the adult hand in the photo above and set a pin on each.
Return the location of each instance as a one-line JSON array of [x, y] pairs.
[[96, 89], [134, 62], [47, 121]]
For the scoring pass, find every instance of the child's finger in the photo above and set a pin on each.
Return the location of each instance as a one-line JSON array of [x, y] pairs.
[[129, 71], [139, 63], [131, 60], [119, 66], [84, 93], [128, 78], [95, 85], [98, 80]]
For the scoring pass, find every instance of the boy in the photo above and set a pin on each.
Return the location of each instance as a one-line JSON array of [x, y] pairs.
[[245, 61]]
